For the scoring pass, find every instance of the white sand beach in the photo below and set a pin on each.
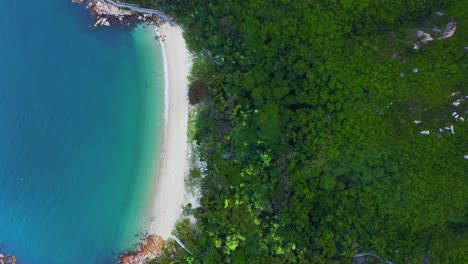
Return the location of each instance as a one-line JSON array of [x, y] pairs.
[[168, 189]]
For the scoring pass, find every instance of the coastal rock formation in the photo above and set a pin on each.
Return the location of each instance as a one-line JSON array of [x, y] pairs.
[[7, 259], [107, 14], [150, 248], [102, 8]]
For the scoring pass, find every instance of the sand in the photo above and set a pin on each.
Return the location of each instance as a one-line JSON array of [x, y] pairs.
[[168, 189]]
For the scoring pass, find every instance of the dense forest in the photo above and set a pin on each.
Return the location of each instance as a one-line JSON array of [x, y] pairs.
[[306, 117]]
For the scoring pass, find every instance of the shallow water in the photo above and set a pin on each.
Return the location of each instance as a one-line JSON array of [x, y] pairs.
[[81, 117]]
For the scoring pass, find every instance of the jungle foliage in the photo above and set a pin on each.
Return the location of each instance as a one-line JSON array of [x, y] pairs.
[[308, 132]]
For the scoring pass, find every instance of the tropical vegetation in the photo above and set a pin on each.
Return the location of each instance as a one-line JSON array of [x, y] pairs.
[[306, 121]]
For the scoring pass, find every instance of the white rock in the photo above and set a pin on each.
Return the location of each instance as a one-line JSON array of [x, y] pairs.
[[449, 30], [451, 129], [441, 130], [425, 37], [447, 128], [461, 119], [465, 156], [456, 103], [454, 113], [417, 122], [425, 132], [456, 116], [415, 70]]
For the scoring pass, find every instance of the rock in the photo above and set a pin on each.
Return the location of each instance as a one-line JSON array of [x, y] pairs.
[[454, 113], [451, 129], [449, 30], [417, 122], [7, 259], [425, 37], [465, 156], [461, 119], [402, 74], [102, 8], [456, 103], [415, 70], [425, 132], [150, 248]]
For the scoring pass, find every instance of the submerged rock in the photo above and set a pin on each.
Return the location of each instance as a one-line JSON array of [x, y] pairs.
[[7, 259]]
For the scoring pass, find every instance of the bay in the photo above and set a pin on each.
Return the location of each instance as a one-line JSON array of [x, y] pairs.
[[81, 116]]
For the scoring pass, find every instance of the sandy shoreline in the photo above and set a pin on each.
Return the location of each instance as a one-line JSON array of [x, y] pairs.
[[168, 189]]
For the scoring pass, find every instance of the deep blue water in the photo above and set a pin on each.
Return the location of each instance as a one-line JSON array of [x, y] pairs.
[[80, 117]]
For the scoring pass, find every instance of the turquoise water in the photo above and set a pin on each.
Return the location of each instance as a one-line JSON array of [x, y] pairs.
[[81, 118]]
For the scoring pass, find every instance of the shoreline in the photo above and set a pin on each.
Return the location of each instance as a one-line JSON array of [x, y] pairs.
[[168, 185]]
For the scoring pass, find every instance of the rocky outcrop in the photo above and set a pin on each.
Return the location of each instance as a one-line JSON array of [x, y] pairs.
[[425, 38], [107, 14], [150, 248], [102, 8], [7, 259], [449, 30]]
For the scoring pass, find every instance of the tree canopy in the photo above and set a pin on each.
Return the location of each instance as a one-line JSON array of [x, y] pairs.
[[308, 131]]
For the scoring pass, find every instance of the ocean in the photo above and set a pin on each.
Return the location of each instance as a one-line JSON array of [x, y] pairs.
[[81, 119]]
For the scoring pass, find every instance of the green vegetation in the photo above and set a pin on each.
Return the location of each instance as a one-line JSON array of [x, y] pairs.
[[307, 129]]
